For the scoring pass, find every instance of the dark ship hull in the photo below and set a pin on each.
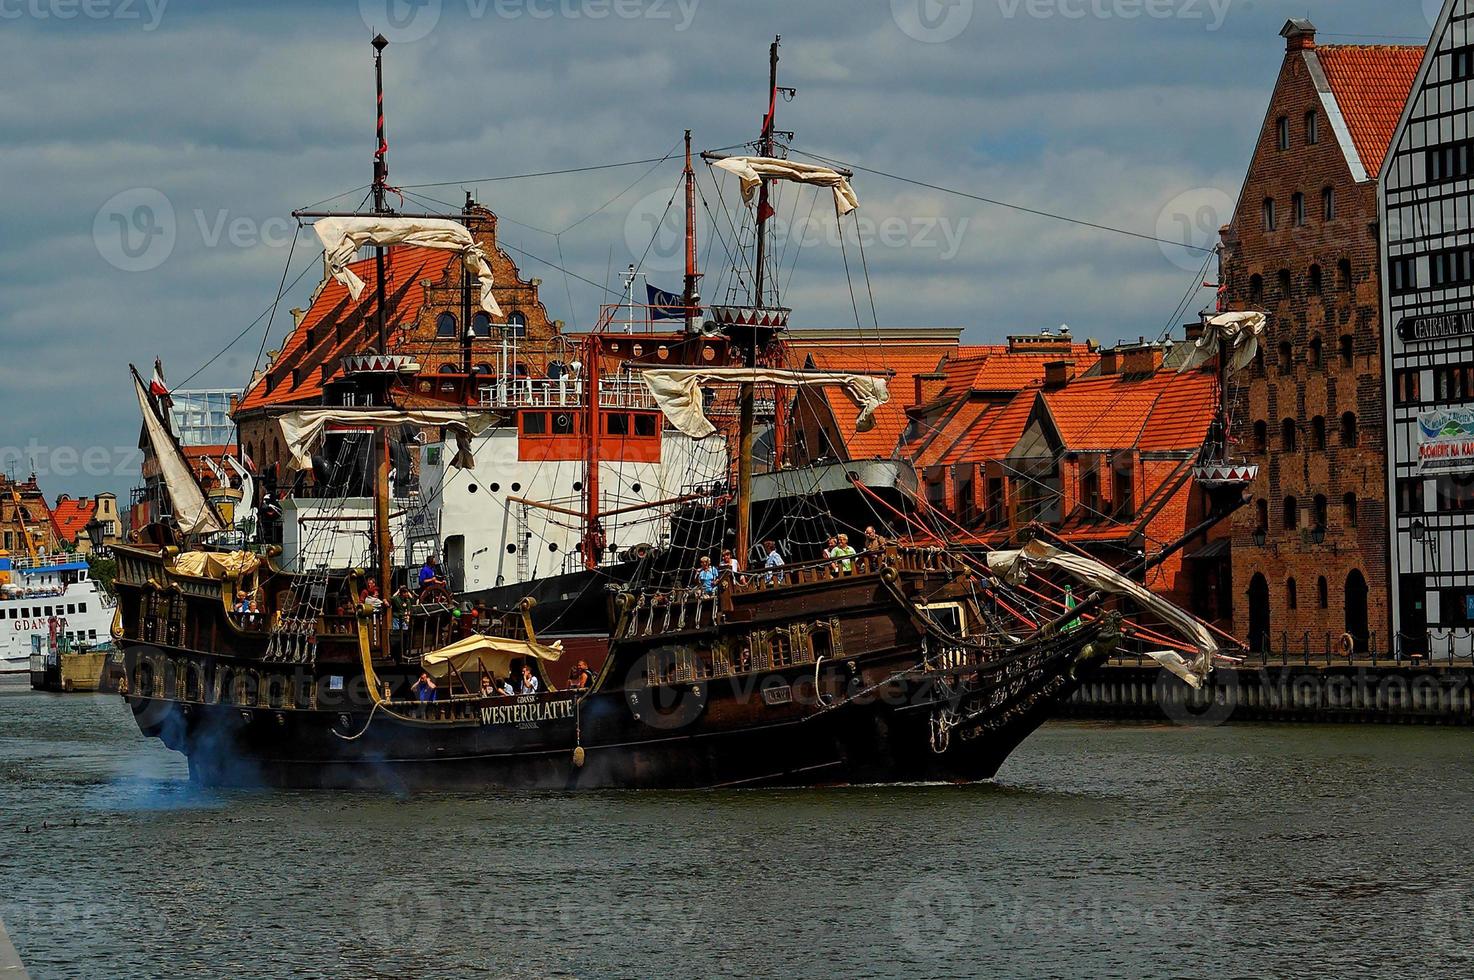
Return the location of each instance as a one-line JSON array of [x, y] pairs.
[[830, 676]]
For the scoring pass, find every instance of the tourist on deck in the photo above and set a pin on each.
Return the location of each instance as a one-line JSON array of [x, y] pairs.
[[243, 603], [487, 689], [400, 602], [773, 561], [529, 681], [829, 546], [707, 575], [370, 597], [507, 688], [430, 574], [873, 541], [580, 677], [729, 563], [844, 554], [424, 688]]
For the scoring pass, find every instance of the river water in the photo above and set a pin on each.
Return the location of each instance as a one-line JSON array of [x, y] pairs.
[[1101, 850]]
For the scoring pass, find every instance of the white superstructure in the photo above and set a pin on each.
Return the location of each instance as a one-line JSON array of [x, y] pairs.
[[50, 597]]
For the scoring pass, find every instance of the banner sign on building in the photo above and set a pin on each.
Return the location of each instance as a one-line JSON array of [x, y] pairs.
[[1411, 329], [1446, 440]]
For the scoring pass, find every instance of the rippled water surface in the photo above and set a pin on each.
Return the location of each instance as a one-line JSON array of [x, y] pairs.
[[1100, 850]]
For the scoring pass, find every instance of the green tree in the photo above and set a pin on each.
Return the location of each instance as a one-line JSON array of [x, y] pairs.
[[103, 570]]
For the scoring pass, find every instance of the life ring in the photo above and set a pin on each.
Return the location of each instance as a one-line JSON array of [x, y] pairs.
[[1347, 644]]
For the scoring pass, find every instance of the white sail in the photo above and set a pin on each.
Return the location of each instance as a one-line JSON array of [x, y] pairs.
[[1238, 332], [1012, 566], [301, 430], [191, 509], [342, 238], [678, 392], [750, 172]]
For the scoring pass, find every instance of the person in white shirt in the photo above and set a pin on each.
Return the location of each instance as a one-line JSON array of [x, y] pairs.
[[529, 682], [773, 561]]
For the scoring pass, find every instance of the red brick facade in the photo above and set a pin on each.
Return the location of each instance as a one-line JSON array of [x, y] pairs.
[[1302, 246]]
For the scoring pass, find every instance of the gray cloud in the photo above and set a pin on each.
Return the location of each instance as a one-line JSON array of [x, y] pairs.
[[237, 115]]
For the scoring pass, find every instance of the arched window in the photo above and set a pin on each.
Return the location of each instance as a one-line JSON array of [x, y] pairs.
[[1315, 280], [1261, 507], [1348, 510], [1348, 349], [1343, 274], [481, 325], [517, 324], [1292, 598], [1328, 203], [520, 370], [1291, 513], [1319, 510], [1287, 435], [1256, 288], [483, 368], [1261, 436], [1314, 353], [1322, 593], [1284, 277], [1297, 208], [445, 326], [1348, 429], [1312, 127], [1286, 358], [1318, 432], [449, 369], [1269, 214]]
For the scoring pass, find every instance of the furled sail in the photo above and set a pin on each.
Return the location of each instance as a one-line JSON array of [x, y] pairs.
[[1238, 332], [343, 237], [750, 172], [301, 430], [678, 392], [1013, 565], [191, 510]]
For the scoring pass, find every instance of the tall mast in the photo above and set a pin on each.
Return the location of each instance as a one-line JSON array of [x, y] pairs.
[[746, 390], [381, 174], [691, 299]]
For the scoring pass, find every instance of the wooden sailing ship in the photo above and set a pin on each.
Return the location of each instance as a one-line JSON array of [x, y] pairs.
[[903, 661]]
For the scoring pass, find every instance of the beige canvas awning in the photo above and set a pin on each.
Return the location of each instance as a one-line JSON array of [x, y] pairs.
[[301, 430], [217, 564], [490, 653]]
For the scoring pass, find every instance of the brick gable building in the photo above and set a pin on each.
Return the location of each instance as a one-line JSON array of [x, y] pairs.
[[1310, 553]]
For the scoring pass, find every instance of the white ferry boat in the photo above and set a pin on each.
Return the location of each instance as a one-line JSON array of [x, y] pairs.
[[52, 597]]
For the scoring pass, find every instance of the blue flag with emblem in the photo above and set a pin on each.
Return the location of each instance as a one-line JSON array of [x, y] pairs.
[[664, 305]]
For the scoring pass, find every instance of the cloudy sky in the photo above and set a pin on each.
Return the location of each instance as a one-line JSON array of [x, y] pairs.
[[154, 149]]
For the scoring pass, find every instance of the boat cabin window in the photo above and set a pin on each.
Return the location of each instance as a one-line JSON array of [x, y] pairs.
[[947, 616], [534, 423], [563, 423]]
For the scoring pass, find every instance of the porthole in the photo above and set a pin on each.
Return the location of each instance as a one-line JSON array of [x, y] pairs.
[[511, 549], [496, 488], [577, 485], [636, 488], [472, 488], [516, 487], [552, 546]]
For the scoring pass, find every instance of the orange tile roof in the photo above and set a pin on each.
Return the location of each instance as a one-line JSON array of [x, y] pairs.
[[1166, 411], [1011, 371], [954, 429], [1371, 83], [1000, 431], [405, 266], [906, 359], [70, 516]]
